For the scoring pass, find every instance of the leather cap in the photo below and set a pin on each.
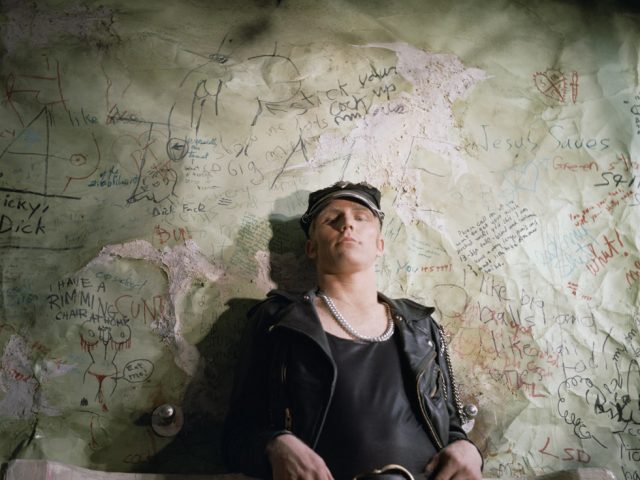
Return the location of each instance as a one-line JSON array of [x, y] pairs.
[[362, 193]]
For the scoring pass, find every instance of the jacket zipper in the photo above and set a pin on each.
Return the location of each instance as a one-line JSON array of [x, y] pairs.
[[427, 420], [288, 422], [454, 387], [287, 411], [283, 374]]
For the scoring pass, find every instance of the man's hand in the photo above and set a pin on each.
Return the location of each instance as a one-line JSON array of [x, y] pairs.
[[458, 461], [292, 459]]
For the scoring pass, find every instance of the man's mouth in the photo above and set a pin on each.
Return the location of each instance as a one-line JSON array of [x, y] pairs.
[[347, 240]]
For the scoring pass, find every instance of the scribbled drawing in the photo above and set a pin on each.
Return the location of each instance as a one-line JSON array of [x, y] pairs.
[[103, 341], [417, 164], [97, 432], [573, 394], [156, 184], [270, 83], [156, 179], [80, 162], [574, 86], [29, 156], [213, 58], [44, 89], [281, 82], [201, 96], [620, 402], [176, 148], [273, 80], [615, 400], [298, 147], [32, 162], [521, 178], [206, 89], [553, 84], [451, 300]]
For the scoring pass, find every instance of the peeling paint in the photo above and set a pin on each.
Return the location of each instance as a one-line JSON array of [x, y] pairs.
[[183, 264], [19, 386], [384, 146]]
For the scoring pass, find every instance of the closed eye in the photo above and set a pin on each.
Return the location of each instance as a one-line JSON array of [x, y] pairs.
[[329, 220]]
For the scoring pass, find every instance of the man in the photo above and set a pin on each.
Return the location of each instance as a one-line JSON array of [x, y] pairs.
[[342, 380]]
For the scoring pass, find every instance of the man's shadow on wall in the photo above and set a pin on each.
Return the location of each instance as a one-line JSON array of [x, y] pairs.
[[196, 448]]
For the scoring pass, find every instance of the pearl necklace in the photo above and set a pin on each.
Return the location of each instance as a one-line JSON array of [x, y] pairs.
[[347, 327]]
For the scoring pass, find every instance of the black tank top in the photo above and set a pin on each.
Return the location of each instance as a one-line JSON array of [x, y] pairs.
[[371, 422]]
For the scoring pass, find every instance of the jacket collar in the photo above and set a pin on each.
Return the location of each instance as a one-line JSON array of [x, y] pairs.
[[301, 314], [408, 310]]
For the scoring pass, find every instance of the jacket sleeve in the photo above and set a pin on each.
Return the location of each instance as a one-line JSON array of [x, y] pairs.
[[456, 414], [247, 427]]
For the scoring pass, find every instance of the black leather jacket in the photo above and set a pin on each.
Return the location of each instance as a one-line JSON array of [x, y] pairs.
[[288, 379]]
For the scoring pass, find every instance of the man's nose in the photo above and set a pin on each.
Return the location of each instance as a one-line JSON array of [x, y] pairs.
[[347, 222]]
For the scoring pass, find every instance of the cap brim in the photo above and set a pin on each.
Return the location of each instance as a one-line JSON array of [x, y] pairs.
[[349, 194]]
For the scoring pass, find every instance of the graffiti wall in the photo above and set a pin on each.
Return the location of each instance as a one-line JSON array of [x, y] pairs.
[[154, 159]]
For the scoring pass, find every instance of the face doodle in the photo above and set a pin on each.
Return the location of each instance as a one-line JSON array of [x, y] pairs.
[[157, 184]]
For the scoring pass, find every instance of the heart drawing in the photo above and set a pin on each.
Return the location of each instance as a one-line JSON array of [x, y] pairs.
[[553, 84]]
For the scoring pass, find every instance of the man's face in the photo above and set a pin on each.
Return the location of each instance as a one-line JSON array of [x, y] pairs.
[[344, 238]]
